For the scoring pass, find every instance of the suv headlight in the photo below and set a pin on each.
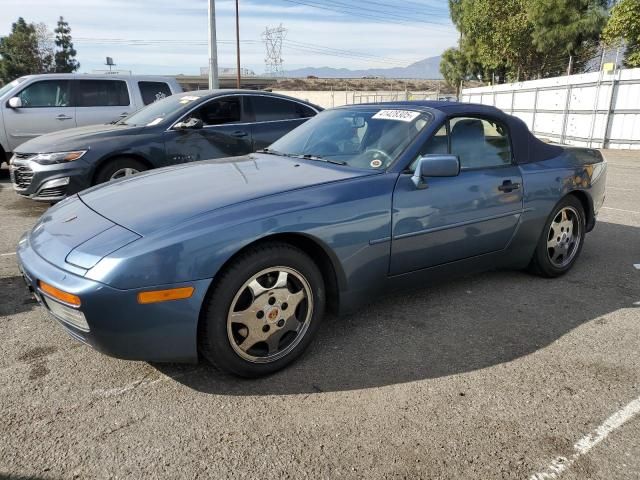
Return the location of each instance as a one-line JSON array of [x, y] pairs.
[[58, 157]]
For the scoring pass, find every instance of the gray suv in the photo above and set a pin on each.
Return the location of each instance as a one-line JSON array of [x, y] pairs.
[[37, 104]]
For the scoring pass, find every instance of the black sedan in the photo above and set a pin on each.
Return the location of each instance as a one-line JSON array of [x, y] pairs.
[[182, 128]]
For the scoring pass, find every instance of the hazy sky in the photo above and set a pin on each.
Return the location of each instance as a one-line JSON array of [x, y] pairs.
[[169, 37]]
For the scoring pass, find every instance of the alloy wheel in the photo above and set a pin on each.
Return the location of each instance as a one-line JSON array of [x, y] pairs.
[[270, 314], [123, 172], [564, 237]]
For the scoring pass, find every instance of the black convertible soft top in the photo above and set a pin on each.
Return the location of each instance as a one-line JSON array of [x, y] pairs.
[[527, 148]]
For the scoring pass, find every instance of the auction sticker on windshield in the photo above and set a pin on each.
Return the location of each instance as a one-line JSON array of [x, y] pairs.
[[402, 115]]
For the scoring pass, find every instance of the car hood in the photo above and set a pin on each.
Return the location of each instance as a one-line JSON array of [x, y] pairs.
[[75, 138], [163, 198]]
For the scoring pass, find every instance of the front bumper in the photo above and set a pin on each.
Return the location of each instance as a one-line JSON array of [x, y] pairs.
[[48, 183], [117, 325]]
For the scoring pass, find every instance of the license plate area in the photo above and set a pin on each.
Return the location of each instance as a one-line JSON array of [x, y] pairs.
[[31, 287]]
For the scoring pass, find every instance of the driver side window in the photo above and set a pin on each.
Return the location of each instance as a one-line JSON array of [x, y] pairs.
[[220, 111], [46, 93], [478, 143], [438, 143]]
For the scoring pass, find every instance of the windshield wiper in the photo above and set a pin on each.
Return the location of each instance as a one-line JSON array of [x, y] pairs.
[[322, 159], [306, 156], [268, 151]]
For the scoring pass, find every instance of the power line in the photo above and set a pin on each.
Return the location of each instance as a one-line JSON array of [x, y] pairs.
[[360, 9], [299, 46], [355, 12]]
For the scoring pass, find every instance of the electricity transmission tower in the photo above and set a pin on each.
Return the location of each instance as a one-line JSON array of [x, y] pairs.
[[273, 38]]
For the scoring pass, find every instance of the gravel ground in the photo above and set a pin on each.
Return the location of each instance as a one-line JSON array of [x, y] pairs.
[[489, 376]]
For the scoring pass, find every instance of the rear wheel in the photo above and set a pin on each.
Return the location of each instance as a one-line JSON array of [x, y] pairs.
[[263, 311], [119, 168], [562, 239]]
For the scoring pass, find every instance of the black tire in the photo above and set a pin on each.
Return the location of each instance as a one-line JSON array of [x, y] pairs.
[[106, 171], [214, 337], [541, 263]]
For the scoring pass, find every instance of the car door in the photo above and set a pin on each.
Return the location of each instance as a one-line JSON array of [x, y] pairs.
[[225, 132], [459, 217], [274, 117], [46, 107], [101, 101]]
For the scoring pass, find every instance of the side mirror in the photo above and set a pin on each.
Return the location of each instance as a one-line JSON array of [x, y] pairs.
[[15, 102], [435, 166], [191, 124]]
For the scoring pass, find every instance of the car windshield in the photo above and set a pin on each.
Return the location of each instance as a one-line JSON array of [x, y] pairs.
[[157, 112], [10, 85], [359, 137]]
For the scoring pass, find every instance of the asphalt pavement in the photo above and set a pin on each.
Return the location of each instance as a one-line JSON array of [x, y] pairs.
[[499, 375]]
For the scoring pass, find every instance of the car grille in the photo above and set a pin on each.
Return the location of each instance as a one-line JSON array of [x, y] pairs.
[[23, 156], [54, 192], [21, 177]]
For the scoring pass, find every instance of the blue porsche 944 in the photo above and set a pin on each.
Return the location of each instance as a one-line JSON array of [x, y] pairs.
[[236, 260]]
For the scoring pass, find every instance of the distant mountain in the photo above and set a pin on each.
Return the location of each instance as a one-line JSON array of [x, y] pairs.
[[428, 69]]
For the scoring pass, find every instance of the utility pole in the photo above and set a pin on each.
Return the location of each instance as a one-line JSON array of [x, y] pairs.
[[238, 78], [213, 47]]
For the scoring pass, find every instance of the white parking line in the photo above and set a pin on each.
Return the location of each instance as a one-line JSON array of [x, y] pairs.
[[7, 254], [561, 464], [619, 209]]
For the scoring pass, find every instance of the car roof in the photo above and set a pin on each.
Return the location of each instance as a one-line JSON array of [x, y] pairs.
[[98, 76], [443, 106], [241, 91]]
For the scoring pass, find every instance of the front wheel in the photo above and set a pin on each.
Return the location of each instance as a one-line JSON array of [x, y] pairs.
[[562, 239], [119, 168], [263, 311]]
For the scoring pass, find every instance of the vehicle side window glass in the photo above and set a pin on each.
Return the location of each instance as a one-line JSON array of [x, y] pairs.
[[102, 93], [479, 143], [153, 91], [304, 111], [46, 93], [438, 143], [220, 111], [269, 109]]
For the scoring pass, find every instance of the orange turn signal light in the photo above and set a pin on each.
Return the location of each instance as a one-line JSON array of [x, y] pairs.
[[58, 294], [155, 296]]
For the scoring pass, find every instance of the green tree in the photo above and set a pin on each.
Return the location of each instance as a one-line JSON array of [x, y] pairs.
[[496, 38], [454, 68], [19, 54], [568, 27], [524, 39], [624, 26], [65, 61]]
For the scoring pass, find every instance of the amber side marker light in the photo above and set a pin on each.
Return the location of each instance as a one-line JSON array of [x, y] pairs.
[[59, 294], [155, 296]]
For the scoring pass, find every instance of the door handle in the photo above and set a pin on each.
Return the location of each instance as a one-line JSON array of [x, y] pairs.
[[124, 114], [62, 116], [239, 134], [508, 186]]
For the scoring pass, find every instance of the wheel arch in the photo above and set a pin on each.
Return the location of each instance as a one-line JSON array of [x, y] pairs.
[[105, 160], [587, 204], [4, 155], [329, 265]]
